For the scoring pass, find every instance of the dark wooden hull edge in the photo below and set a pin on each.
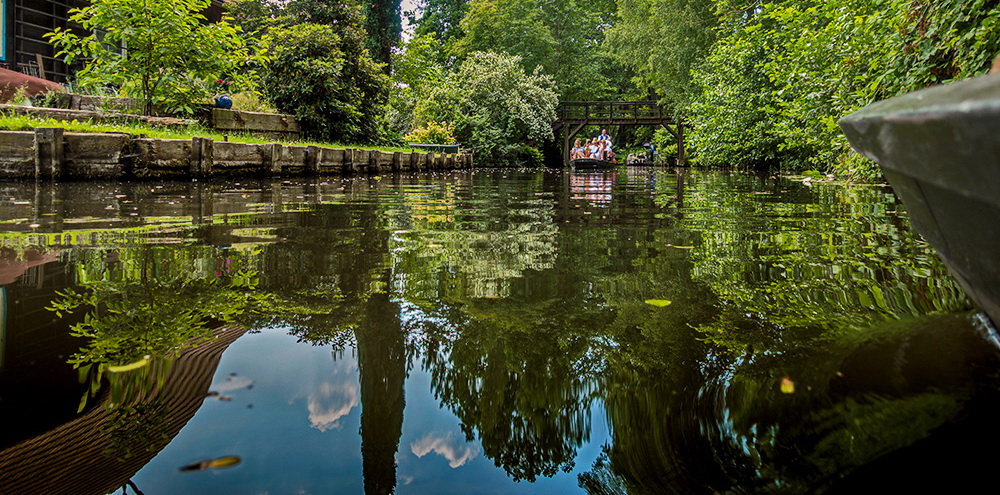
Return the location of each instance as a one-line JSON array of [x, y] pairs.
[[938, 149]]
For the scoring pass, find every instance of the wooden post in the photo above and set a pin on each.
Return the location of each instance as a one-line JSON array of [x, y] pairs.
[[201, 157], [566, 139], [312, 160], [41, 65], [272, 157], [681, 159], [350, 166], [397, 161], [48, 153]]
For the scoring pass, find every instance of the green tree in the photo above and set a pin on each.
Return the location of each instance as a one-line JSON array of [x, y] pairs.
[[415, 69], [319, 68], [662, 41], [496, 106], [730, 119], [310, 76], [782, 73], [563, 37], [511, 26], [441, 20], [160, 51], [384, 26]]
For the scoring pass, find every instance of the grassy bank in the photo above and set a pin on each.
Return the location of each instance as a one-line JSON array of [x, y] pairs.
[[26, 123]]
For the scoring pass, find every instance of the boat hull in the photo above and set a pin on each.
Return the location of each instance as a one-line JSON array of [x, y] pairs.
[[940, 150], [590, 163]]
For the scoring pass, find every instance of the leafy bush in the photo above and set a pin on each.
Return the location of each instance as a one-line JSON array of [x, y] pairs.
[[159, 51], [495, 105], [433, 133], [335, 97], [530, 157]]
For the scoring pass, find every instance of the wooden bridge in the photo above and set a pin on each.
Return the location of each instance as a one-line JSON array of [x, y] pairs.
[[571, 116]]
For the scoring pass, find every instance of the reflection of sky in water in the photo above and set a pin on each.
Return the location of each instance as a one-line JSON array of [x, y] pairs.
[[334, 399], [297, 431], [445, 445]]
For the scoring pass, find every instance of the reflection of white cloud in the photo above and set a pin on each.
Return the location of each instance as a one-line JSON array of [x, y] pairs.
[[330, 403], [446, 446], [232, 382]]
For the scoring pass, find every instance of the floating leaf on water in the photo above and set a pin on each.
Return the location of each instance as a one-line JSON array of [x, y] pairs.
[[129, 367], [227, 461], [659, 303], [787, 386]]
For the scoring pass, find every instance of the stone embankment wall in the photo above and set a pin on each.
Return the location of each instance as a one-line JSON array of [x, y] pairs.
[[49, 153]]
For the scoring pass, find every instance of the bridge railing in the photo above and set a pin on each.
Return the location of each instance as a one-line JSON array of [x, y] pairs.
[[610, 111]]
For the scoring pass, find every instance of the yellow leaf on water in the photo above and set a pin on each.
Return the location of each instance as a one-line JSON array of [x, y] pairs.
[[659, 303], [129, 367], [787, 386], [227, 461]]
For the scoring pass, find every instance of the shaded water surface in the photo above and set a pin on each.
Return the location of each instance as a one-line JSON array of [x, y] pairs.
[[635, 331]]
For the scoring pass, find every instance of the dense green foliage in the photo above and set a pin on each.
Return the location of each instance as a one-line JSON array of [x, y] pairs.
[[495, 105], [318, 67], [662, 40], [441, 20], [416, 68], [158, 50], [764, 84], [562, 37], [384, 26], [310, 76]]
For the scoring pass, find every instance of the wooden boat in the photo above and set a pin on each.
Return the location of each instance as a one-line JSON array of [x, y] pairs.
[[591, 163], [940, 150]]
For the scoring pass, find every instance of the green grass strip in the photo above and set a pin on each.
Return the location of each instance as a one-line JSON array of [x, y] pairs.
[[27, 123]]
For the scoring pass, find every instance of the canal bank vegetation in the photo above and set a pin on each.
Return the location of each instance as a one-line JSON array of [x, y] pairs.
[[10, 122], [764, 82], [761, 84]]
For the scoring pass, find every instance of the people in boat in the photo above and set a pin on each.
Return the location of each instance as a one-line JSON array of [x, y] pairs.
[[578, 150], [594, 149], [604, 135]]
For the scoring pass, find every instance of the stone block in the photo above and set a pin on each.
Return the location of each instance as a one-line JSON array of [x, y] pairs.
[[333, 161], [253, 122], [248, 158], [89, 155], [17, 154], [162, 157], [292, 159]]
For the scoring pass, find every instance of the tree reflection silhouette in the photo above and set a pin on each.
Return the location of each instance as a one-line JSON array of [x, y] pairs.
[[382, 366]]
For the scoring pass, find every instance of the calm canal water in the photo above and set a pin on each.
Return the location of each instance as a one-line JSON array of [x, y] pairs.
[[634, 331]]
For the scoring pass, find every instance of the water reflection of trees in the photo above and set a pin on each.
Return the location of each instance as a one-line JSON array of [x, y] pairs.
[[526, 309]]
